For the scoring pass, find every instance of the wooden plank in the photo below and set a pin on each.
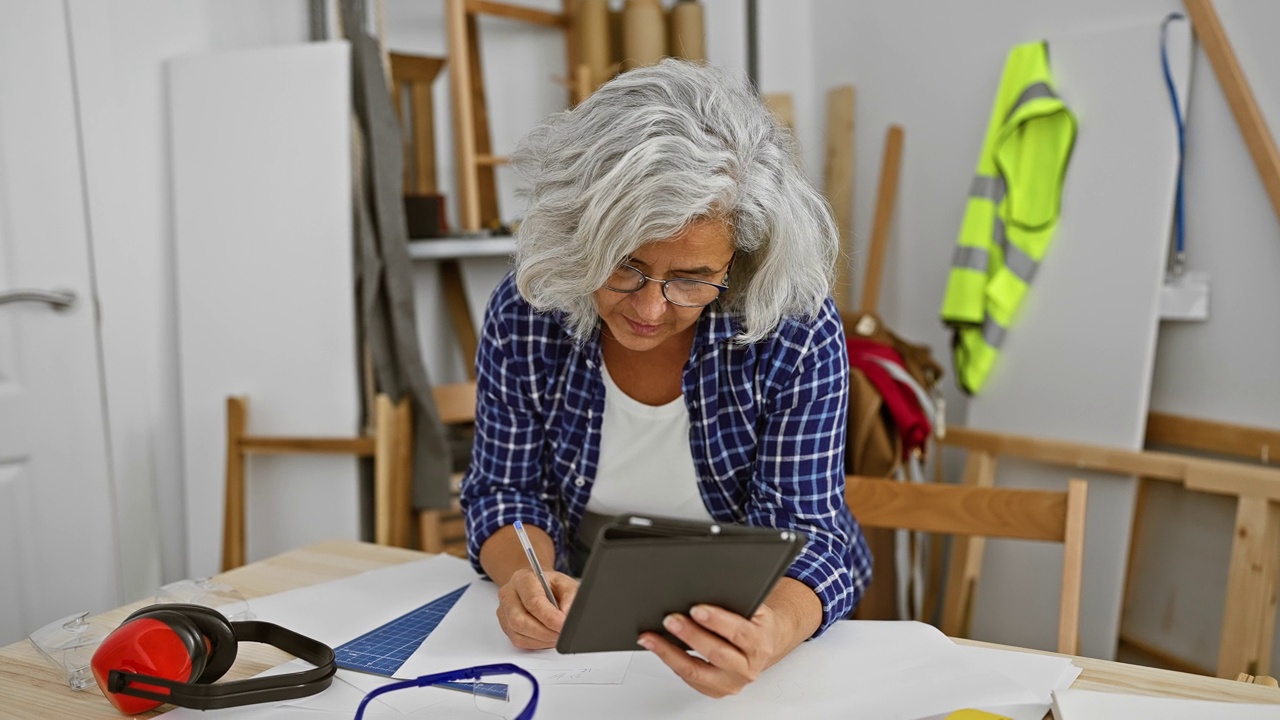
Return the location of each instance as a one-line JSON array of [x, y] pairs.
[[1164, 466], [464, 123], [492, 160], [424, 139], [1072, 566], [1235, 86], [1254, 443], [1216, 476], [456, 402], [1136, 537], [285, 445], [517, 12], [783, 109], [402, 472], [965, 565], [415, 68], [958, 509], [838, 186], [486, 187], [1226, 479], [1248, 623], [464, 327], [233, 531], [579, 73], [581, 84], [886, 201], [1157, 657], [384, 495]]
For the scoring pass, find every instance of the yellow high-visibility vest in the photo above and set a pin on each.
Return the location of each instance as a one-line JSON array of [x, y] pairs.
[[1011, 212]]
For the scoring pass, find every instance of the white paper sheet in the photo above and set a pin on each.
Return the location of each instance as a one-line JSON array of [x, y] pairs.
[[1094, 705], [340, 610], [882, 670]]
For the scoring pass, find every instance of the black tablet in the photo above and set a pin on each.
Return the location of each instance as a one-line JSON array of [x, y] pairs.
[[641, 568]]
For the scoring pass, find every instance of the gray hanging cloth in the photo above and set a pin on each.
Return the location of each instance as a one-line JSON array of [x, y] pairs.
[[384, 283]]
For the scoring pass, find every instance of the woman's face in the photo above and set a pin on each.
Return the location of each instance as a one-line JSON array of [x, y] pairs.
[[644, 320]]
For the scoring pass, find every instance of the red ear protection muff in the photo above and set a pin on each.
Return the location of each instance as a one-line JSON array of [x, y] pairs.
[[174, 652]]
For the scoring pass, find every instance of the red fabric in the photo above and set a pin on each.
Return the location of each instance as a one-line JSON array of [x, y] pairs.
[[912, 422]]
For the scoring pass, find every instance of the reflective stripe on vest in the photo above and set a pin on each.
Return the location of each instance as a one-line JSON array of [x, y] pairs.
[[1010, 214]]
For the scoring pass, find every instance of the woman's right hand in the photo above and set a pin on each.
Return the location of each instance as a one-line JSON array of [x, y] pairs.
[[527, 616]]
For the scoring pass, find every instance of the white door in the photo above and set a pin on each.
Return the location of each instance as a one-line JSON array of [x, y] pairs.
[[57, 533]]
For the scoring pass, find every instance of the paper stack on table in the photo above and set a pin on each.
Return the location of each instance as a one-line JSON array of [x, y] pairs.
[[882, 670], [1093, 705]]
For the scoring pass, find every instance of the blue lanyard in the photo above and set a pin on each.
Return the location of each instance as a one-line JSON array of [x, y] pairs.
[[1180, 255]]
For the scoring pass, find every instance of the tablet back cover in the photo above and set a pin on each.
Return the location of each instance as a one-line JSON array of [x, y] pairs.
[[632, 580]]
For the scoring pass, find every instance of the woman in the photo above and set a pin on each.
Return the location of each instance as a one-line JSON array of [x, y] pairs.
[[666, 345]]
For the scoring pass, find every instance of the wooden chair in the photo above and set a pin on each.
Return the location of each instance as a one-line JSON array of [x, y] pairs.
[[965, 510], [390, 444], [444, 531]]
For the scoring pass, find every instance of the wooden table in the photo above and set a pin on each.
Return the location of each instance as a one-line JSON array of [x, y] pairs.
[[30, 688]]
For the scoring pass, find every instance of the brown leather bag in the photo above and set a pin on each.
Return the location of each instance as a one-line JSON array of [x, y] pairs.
[[874, 446]]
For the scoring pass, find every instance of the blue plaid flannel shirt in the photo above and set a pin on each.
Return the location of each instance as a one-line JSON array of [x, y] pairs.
[[767, 435]]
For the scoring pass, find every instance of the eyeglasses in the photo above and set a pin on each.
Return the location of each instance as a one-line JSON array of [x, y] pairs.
[[685, 292], [509, 692]]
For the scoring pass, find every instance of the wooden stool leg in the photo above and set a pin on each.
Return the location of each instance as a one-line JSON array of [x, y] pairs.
[[430, 531], [402, 470], [383, 471], [1248, 623], [966, 555], [233, 521]]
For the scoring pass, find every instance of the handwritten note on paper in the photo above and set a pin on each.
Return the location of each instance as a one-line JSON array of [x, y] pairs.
[[574, 676]]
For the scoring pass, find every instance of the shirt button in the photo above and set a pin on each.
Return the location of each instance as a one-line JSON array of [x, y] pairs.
[[580, 482]]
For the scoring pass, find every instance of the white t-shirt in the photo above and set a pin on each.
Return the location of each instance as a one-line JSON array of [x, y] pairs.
[[646, 466]]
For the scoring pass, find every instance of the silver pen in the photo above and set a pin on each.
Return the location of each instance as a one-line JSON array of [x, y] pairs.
[[533, 561]]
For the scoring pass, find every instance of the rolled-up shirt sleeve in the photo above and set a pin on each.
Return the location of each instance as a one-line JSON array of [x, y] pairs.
[[504, 481], [799, 477]]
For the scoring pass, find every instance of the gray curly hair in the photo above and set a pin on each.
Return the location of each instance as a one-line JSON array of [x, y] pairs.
[[650, 152]]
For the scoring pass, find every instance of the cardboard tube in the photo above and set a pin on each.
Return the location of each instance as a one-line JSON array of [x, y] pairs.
[[644, 33], [688, 37], [594, 41]]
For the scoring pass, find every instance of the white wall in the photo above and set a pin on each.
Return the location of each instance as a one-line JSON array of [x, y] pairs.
[[933, 67], [120, 50]]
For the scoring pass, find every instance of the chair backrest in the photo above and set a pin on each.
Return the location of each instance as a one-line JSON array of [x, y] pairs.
[[389, 443], [966, 510]]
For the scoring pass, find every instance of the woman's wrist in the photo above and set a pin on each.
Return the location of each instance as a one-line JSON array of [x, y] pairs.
[[502, 556], [799, 611]]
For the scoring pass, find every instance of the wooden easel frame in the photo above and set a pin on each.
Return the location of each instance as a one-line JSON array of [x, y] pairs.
[[1250, 615], [477, 193]]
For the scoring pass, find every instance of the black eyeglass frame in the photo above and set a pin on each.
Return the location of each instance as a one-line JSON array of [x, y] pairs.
[[471, 673], [646, 279]]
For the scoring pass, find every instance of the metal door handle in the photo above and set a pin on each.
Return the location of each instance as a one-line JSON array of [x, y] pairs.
[[59, 299]]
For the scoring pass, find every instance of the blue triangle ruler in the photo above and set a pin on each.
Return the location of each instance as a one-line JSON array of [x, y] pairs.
[[382, 650]]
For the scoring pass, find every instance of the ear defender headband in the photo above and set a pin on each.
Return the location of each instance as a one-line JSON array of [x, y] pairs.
[[173, 652]]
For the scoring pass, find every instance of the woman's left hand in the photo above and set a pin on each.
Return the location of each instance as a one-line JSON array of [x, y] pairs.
[[734, 649]]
